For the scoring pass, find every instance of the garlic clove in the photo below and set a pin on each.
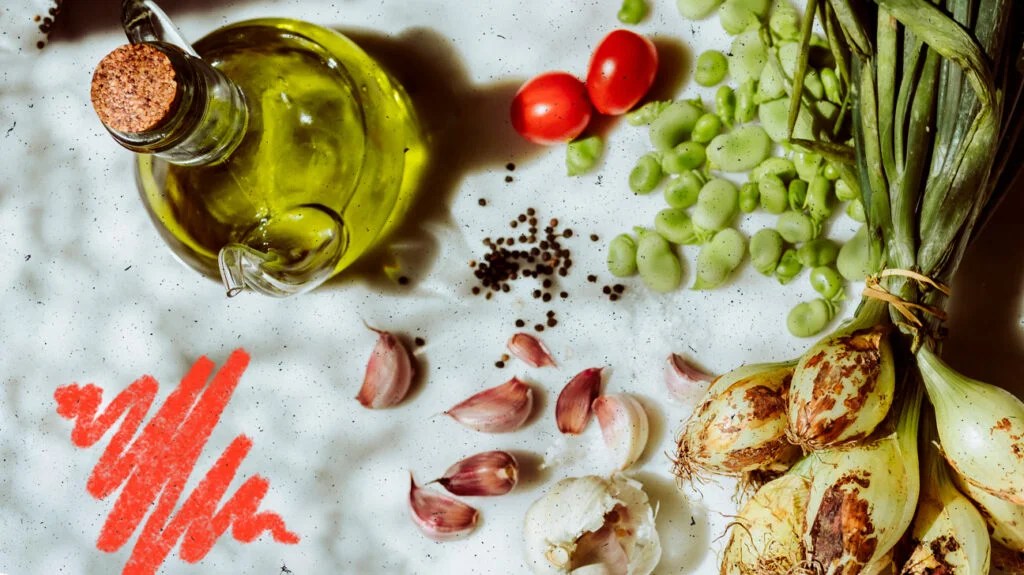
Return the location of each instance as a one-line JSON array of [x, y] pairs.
[[530, 349], [572, 411], [624, 426], [440, 517], [489, 473], [496, 410], [600, 553], [388, 373], [686, 383]]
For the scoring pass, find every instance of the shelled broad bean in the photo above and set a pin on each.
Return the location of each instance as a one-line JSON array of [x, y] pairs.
[[730, 155]]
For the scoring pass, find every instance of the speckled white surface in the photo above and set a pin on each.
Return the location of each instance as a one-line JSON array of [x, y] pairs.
[[90, 294]]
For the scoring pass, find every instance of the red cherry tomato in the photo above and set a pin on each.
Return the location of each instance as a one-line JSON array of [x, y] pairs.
[[551, 108], [621, 71]]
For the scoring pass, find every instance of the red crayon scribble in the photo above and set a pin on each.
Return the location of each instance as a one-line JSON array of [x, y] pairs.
[[155, 467]]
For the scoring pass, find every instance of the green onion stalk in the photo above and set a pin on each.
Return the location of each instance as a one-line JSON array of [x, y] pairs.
[[935, 97]]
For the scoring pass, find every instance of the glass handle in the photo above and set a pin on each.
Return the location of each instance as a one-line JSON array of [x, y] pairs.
[[144, 21]]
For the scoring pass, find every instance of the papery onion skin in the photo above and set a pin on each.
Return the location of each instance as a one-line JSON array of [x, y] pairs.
[[863, 498], [765, 539], [981, 428], [842, 388], [740, 426]]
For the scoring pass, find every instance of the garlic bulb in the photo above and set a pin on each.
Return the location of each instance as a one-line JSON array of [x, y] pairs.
[[842, 388], [981, 428], [592, 525], [740, 426], [766, 537], [863, 497], [951, 534]]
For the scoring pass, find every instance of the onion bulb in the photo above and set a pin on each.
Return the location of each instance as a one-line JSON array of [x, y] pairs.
[[740, 426], [981, 428]]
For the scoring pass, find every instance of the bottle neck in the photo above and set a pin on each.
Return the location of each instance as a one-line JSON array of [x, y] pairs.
[[206, 122]]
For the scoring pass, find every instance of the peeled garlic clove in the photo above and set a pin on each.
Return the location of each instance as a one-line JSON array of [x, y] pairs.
[[740, 426], [766, 536], [530, 350], [842, 388], [438, 516], [863, 497], [578, 512], [489, 473], [572, 411], [388, 373], [624, 427], [685, 382], [981, 428], [496, 410]]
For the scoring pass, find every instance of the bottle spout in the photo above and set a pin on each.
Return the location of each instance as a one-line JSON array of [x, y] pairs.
[[302, 248], [144, 21]]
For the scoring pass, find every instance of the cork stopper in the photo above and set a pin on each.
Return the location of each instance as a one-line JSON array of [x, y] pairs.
[[134, 88]]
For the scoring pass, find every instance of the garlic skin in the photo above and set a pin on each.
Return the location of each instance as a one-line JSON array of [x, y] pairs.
[[440, 517], [740, 426], [499, 409], [685, 382], [624, 427], [842, 388], [593, 509], [766, 536], [484, 474], [951, 534], [981, 428], [389, 373], [573, 408], [863, 498], [530, 349]]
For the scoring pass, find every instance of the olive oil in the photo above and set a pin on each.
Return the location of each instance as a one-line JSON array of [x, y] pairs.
[[332, 151]]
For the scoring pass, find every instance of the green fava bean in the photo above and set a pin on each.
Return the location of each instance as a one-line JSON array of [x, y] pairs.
[[818, 252], [812, 83], [818, 199], [718, 259], [785, 21], [697, 9], [833, 89], [684, 157], [582, 155], [657, 263], [831, 171], [675, 225], [781, 167], [712, 66], [796, 227], [646, 174], [646, 114], [622, 256], [774, 197], [827, 282], [797, 194], [707, 127], [789, 267], [855, 209], [725, 104], [807, 165], [632, 11], [746, 102], [735, 17], [717, 204], [845, 192], [749, 197], [747, 56], [739, 150], [854, 260], [810, 317], [765, 250], [682, 191], [674, 124]]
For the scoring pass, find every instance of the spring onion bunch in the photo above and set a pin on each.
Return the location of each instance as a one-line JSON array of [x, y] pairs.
[[935, 96]]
